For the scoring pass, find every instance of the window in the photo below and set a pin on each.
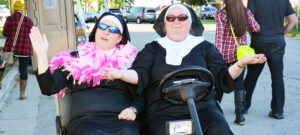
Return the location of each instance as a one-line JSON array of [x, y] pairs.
[[207, 9], [131, 10], [150, 11], [115, 11], [139, 10]]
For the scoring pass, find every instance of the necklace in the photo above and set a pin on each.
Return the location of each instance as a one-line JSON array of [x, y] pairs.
[[87, 67]]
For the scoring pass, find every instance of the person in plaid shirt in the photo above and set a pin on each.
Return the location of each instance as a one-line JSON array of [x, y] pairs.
[[23, 47], [240, 18]]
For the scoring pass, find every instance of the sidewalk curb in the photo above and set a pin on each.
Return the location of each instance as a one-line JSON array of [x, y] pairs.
[[9, 80], [292, 35]]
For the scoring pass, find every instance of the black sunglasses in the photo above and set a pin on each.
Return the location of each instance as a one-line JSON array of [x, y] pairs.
[[111, 29], [171, 18]]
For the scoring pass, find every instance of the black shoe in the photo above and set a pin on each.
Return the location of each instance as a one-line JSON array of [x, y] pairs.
[[276, 115], [245, 111], [240, 120]]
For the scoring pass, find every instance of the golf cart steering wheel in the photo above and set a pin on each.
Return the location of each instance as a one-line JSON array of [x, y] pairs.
[[181, 90]]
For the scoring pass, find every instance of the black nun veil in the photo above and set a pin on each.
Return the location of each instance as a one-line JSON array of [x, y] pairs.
[[125, 34], [196, 27]]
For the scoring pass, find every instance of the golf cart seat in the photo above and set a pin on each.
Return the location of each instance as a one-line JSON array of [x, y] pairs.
[[63, 111]]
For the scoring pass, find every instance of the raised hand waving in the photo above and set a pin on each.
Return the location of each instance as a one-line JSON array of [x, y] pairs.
[[39, 43]]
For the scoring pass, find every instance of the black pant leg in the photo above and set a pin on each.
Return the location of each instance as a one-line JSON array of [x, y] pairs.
[[253, 72], [23, 64], [218, 95], [213, 122], [157, 125], [239, 81], [97, 126], [2, 69], [275, 63]]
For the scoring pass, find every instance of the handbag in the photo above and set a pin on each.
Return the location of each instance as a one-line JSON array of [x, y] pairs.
[[8, 56], [242, 50]]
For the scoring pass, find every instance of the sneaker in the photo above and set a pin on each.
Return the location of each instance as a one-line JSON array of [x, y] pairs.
[[276, 115], [240, 120]]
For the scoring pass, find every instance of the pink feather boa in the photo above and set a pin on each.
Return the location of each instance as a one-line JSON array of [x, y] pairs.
[[120, 58]]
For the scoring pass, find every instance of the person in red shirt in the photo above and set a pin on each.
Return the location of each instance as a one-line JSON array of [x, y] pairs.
[[241, 19], [23, 47]]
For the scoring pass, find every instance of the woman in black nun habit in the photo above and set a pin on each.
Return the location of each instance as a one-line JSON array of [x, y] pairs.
[[181, 44], [99, 106]]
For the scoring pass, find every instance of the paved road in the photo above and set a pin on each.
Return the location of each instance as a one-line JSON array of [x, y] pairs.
[[36, 115]]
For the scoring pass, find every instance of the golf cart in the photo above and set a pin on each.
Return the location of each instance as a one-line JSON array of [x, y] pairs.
[[177, 91], [186, 91], [63, 112]]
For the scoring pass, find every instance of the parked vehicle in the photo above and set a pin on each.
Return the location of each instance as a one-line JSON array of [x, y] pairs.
[[140, 14], [207, 12], [114, 11], [79, 31], [3, 16], [91, 16]]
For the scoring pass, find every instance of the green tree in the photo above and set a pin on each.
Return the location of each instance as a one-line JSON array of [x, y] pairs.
[[195, 2], [101, 4], [119, 4], [4, 2], [128, 4], [88, 3], [81, 3], [122, 4], [113, 4]]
